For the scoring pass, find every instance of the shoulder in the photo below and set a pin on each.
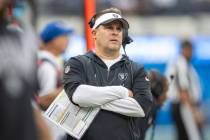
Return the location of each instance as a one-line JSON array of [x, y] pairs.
[[45, 65], [77, 59], [181, 63], [47, 70], [77, 62], [137, 67], [81, 58]]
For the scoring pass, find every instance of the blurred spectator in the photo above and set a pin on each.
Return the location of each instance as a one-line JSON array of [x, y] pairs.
[[20, 117], [159, 87], [185, 93], [55, 40], [50, 72]]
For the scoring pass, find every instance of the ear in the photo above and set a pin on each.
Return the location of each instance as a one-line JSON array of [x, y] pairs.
[[94, 34]]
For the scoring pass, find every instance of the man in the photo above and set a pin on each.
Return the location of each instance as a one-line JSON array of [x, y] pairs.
[[55, 40], [185, 93], [159, 87], [110, 80], [20, 117]]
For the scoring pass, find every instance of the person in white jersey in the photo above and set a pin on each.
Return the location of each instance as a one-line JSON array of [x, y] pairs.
[[55, 39]]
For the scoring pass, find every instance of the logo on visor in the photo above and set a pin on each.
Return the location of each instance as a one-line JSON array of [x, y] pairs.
[[115, 15]]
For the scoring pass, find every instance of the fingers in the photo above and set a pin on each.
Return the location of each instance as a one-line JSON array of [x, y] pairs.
[[130, 93]]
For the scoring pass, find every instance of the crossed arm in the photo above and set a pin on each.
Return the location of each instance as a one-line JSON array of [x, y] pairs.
[[111, 98]]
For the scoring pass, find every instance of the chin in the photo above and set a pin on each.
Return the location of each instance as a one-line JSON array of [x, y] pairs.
[[114, 47]]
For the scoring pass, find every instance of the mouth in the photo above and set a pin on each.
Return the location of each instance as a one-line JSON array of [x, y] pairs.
[[114, 40]]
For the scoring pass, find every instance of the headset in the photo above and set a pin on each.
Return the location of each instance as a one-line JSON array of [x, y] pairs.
[[92, 21], [126, 38]]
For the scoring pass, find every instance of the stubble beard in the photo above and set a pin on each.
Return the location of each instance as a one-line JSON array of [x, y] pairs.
[[112, 49]]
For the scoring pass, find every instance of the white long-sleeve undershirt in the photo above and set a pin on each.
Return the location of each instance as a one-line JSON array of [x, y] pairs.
[[90, 96], [127, 106], [111, 98]]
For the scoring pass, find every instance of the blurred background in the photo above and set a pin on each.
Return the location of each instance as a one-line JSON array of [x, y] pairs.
[[157, 28]]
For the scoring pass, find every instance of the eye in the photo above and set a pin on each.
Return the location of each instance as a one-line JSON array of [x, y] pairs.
[[119, 29]]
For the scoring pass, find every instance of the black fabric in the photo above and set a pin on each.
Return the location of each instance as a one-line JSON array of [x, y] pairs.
[[91, 70], [180, 127], [18, 83], [145, 123]]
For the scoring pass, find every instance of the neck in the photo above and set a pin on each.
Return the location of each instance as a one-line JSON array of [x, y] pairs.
[[187, 58]]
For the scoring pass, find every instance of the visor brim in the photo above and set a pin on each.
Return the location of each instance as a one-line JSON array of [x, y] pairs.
[[122, 20]]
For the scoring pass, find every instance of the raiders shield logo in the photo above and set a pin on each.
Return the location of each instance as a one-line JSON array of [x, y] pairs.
[[123, 76], [115, 15]]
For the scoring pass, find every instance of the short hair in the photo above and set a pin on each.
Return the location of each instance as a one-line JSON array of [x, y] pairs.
[[186, 44], [109, 10]]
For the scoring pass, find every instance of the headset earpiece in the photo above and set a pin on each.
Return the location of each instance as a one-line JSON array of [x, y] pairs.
[[126, 39], [92, 21], [125, 34]]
